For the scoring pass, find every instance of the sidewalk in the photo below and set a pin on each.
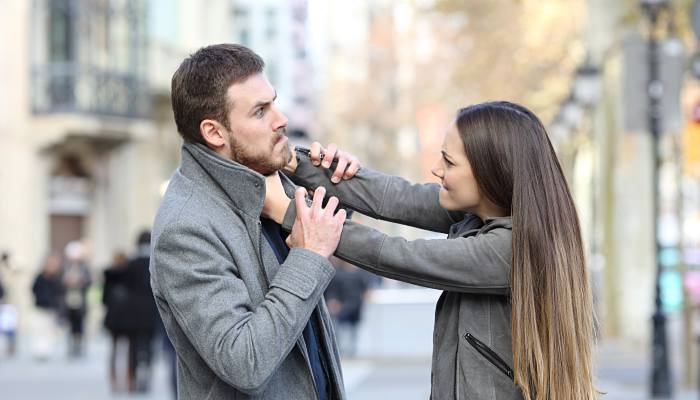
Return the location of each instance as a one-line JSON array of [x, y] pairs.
[[23, 378], [623, 374]]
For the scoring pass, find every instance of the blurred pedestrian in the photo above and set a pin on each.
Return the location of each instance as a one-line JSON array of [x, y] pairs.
[[143, 313], [345, 297], [75, 280], [170, 357], [115, 297], [47, 297], [515, 319], [8, 304]]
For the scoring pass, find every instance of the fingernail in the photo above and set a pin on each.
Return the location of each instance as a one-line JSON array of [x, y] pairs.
[[335, 179]]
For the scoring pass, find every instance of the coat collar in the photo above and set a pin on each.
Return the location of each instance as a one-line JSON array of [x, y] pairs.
[[234, 183]]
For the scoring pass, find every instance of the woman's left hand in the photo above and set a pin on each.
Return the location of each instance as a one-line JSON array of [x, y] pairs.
[[276, 200], [347, 164]]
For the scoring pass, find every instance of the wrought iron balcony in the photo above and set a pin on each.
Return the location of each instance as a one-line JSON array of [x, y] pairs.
[[61, 87], [89, 56]]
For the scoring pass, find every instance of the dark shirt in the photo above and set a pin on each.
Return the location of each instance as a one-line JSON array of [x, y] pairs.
[[273, 233]]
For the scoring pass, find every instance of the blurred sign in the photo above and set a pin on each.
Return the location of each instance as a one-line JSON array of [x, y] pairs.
[[636, 81], [671, 290], [691, 144], [692, 286]]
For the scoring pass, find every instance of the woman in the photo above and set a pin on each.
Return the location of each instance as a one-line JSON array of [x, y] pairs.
[[47, 293], [515, 319]]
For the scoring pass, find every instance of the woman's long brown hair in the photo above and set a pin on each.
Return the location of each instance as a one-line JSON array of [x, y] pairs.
[[552, 318]]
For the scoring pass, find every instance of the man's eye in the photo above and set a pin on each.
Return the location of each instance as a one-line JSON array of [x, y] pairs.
[[260, 112]]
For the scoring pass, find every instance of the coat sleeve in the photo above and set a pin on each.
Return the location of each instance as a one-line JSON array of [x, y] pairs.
[[242, 342], [477, 264], [386, 197]]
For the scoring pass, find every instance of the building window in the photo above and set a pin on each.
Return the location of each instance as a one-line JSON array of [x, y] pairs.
[[241, 33], [60, 32], [244, 37], [272, 73], [90, 57], [271, 22]]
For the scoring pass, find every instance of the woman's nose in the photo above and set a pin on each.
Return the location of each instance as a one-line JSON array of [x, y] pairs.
[[436, 170]]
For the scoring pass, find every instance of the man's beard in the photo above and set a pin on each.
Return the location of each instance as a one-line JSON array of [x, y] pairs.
[[264, 162]]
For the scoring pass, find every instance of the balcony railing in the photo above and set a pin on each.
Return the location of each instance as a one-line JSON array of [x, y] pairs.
[[89, 56], [60, 87]]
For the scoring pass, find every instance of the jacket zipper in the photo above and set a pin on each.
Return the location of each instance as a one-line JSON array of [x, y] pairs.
[[489, 355]]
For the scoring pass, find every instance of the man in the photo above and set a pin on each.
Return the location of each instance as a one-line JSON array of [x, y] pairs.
[[244, 312], [143, 315]]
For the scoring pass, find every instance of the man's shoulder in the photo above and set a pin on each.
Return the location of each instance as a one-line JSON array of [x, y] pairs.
[[195, 215]]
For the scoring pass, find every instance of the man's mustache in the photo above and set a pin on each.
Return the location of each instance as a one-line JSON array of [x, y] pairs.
[[278, 134]]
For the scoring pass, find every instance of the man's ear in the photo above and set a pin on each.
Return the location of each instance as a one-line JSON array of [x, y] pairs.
[[213, 133]]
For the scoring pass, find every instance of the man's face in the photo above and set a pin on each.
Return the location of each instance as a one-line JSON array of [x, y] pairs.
[[256, 137]]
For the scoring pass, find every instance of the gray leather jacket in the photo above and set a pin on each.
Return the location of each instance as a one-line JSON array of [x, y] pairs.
[[472, 355]]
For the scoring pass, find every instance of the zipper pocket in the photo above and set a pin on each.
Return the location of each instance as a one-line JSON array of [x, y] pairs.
[[489, 355]]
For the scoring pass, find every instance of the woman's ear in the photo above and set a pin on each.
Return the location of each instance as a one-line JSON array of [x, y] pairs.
[[213, 133]]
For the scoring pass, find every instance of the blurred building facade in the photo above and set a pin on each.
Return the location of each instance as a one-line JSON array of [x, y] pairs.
[[87, 138]]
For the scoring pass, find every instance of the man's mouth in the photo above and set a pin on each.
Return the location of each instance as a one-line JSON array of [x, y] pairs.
[[281, 139]]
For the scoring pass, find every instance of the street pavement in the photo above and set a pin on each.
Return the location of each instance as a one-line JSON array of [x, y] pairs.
[[621, 373], [60, 378]]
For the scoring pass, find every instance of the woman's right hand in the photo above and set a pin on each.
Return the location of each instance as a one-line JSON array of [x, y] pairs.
[[347, 166]]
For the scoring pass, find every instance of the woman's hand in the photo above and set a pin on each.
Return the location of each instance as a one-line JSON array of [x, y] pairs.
[[276, 200], [347, 166]]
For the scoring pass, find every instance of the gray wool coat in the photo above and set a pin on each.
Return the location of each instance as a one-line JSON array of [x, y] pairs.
[[233, 313], [472, 354]]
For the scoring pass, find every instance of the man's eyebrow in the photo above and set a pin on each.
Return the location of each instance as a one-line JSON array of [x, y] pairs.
[[264, 103]]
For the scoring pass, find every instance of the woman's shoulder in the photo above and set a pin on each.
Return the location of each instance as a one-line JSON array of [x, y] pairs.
[[499, 223]]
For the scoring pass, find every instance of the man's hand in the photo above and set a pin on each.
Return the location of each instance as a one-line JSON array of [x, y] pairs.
[[347, 166], [276, 200], [316, 228]]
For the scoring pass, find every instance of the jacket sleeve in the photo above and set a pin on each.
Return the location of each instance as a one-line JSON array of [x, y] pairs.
[[381, 196], [477, 264], [242, 342]]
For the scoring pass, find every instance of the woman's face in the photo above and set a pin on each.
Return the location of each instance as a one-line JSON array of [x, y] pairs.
[[459, 190]]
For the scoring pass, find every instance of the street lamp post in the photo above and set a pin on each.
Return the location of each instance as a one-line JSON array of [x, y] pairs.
[[660, 375]]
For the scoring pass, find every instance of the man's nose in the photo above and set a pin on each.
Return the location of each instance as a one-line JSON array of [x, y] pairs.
[[281, 120]]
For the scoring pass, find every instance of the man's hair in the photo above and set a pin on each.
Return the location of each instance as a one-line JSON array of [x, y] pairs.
[[198, 87]]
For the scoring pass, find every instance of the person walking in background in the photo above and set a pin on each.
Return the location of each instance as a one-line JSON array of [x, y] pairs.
[[345, 297], [8, 304], [143, 313], [515, 319], [47, 293], [75, 280], [115, 297]]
